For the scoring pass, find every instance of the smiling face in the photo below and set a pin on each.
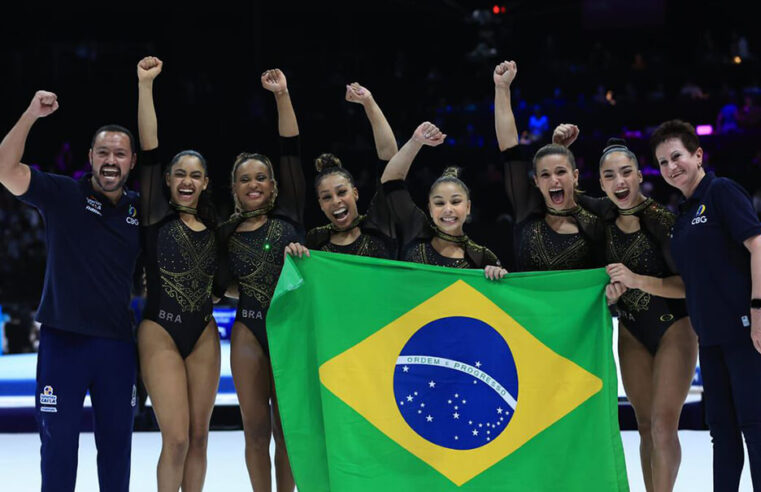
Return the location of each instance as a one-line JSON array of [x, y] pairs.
[[338, 200], [449, 206], [111, 158], [556, 179], [620, 180], [186, 180], [253, 186], [680, 168]]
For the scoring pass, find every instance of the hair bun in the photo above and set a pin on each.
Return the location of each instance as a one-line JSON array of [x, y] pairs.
[[325, 161], [615, 141], [451, 172]]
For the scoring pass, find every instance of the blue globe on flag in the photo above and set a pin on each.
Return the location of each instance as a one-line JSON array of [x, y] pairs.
[[455, 383]]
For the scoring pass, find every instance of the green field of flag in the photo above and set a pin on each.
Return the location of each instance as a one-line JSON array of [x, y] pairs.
[[397, 377]]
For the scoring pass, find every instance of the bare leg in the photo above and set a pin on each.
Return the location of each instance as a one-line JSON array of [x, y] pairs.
[[251, 374], [283, 473], [673, 371], [202, 369], [637, 375], [163, 372]]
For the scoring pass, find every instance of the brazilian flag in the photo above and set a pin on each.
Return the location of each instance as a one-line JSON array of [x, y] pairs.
[[400, 377]]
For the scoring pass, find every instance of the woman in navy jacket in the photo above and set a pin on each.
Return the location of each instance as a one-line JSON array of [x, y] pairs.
[[716, 245]]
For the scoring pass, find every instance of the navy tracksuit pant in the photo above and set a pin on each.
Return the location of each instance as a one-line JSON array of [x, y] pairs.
[[68, 365], [732, 383]]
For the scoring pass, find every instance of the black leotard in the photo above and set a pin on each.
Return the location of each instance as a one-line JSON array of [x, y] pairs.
[[416, 233], [537, 246], [254, 258], [180, 263], [646, 316]]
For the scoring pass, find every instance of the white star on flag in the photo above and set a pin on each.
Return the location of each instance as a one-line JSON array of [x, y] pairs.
[[429, 418], [432, 384]]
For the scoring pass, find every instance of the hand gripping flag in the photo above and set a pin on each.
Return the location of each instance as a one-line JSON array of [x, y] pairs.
[[398, 376]]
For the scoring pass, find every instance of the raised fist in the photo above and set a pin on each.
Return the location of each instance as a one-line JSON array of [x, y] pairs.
[[357, 94], [149, 68], [428, 134], [565, 134], [274, 80], [43, 103], [505, 73]]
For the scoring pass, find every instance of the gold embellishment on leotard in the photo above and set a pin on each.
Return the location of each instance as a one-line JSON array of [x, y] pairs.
[[358, 220], [263, 263], [190, 287], [566, 212], [449, 237], [635, 300], [667, 317], [660, 215], [631, 253], [182, 208], [422, 254], [362, 246], [541, 251], [637, 208]]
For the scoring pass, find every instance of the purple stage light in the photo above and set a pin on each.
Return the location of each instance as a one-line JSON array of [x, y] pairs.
[[704, 129]]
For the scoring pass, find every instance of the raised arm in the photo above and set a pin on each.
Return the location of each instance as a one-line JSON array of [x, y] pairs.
[[274, 81], [504, 121], [147, 70], [385, 143], [291, 183], [15, 175], [153, 202], [425, 134], [565, 134]]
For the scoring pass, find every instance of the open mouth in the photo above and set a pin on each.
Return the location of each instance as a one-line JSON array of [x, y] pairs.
[[110, 172], [557, 196], [185, 193], [254, 195], [341, 214], [448, 220], [621, 194]]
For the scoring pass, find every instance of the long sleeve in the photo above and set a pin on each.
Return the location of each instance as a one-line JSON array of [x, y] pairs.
[[291, 183], [523, 195], [154, 203]]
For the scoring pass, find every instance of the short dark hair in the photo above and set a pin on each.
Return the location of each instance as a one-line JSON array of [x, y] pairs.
[[117, 129], [675, 129]]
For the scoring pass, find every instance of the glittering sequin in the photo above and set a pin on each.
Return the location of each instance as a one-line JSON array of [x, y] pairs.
[[186, 269], [541, 248], [257, 258]]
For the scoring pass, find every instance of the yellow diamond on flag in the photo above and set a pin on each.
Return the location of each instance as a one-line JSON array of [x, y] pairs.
[[550, 385]]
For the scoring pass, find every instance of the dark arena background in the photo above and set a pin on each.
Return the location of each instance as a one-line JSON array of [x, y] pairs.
[[614, 68]]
